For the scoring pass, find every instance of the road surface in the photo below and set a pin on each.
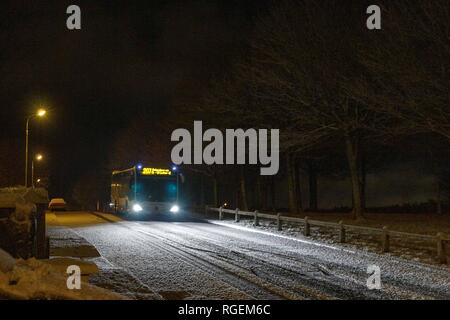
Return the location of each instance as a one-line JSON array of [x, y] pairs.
[[196, 259]]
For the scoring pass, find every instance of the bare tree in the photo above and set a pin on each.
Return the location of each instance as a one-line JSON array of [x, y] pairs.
[[302, 63], [409, 67]]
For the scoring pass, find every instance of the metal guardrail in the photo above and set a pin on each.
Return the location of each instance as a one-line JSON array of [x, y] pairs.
[[385, 233]]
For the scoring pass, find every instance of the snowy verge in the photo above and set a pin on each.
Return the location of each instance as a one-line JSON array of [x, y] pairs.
[[33, 279], [408, 249]]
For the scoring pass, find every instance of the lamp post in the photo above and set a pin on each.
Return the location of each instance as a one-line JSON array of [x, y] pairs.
[[38, 158], [40, 113]]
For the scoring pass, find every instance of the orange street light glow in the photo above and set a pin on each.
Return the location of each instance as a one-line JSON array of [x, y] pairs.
[[41, 112]]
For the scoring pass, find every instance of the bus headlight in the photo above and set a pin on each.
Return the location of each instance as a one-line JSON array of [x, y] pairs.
[[174, 209], [137, 208]]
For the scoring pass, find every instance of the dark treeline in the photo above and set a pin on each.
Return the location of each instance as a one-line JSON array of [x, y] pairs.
[[348, 102], [346, 99]]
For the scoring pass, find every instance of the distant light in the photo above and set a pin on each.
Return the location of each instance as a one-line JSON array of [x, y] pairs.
[[225, 204], [174, 168], [139, 166], [174, 209], [137, 208], [38, 180], [41, 112], [39, 157], [111, 204]]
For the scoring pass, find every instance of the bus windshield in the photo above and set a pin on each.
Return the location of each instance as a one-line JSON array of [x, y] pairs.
[[156, 189]]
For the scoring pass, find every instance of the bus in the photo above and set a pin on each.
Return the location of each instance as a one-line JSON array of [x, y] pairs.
[[145, 190]]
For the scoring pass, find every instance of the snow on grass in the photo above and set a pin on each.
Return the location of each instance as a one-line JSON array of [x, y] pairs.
[[408, 248], [429, 224]]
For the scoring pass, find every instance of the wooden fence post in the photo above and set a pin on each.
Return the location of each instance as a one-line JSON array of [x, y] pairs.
[[256, 218], [236, 215], [220, 213], [441, 254], [279, 226], [307, 230], [341, 232], [385, 240]]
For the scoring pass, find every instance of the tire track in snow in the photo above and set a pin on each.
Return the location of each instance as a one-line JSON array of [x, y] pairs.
[[394, 287], [269, 268], [333, 284], [236, 278], [232, 275]]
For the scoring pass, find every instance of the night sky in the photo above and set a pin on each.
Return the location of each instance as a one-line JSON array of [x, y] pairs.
[[128, 57]]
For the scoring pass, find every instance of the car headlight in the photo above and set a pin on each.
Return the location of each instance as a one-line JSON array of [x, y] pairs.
[[174, 209], [137, 208]]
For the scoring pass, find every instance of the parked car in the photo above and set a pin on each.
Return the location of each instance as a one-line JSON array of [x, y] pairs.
[[57, 204]]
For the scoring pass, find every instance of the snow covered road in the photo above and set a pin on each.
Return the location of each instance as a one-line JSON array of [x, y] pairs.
[[200, 260]]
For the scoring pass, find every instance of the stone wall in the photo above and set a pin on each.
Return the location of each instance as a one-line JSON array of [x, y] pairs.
[[20, 219]]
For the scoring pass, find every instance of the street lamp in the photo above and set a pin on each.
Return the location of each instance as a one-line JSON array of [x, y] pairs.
[[40, 113], [38, 157]]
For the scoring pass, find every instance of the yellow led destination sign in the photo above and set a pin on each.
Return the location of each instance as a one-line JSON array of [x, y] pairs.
[[156, 172]]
